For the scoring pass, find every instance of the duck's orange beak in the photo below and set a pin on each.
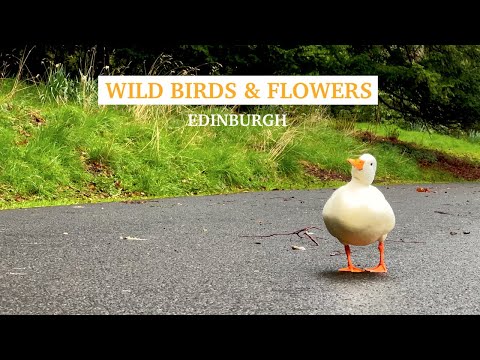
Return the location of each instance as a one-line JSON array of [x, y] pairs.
[[357, 163]]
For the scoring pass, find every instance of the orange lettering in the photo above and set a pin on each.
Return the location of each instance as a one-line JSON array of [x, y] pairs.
[[177, 91], [159, 90], [305, 90], [365, 87], [230, 88], [116, 89], [351, 89], [200, 89], [337, 89], [318, 88]]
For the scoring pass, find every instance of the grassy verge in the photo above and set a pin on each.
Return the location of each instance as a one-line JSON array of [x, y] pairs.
[[467, 147], [60, 149]]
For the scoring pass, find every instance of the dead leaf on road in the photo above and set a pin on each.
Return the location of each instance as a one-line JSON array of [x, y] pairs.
[[423, 189]]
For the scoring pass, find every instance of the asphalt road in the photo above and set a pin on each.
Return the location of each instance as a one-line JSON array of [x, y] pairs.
[[190, 256]]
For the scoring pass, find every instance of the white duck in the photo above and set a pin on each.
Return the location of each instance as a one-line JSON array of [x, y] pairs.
[[358, 214]]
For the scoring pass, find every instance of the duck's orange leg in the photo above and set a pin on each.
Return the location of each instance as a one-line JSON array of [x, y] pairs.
[[350, 267], [381, 267]]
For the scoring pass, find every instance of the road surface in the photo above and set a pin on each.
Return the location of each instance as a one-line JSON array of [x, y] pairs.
[[193, 256]]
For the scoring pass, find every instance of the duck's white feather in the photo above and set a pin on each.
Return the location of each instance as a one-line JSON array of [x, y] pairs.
[[358, 213]]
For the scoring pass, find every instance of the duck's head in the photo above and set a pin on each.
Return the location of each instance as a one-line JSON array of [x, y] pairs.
[[363, 169]]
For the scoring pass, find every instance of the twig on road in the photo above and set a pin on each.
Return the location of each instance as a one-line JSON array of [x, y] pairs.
[[442, 212], [297, 232], [404, 241]]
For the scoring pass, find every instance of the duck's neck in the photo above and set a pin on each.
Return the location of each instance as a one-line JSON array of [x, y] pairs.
[[359, 183], [362, 177]]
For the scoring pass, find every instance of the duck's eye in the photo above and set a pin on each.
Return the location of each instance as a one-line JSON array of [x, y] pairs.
[[371, 164]]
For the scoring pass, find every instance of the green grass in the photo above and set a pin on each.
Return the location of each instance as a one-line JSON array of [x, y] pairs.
[[467, 147], [59, 147]]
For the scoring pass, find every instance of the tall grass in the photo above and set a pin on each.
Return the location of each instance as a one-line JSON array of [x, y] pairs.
[[60, 88], [18, 85]]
